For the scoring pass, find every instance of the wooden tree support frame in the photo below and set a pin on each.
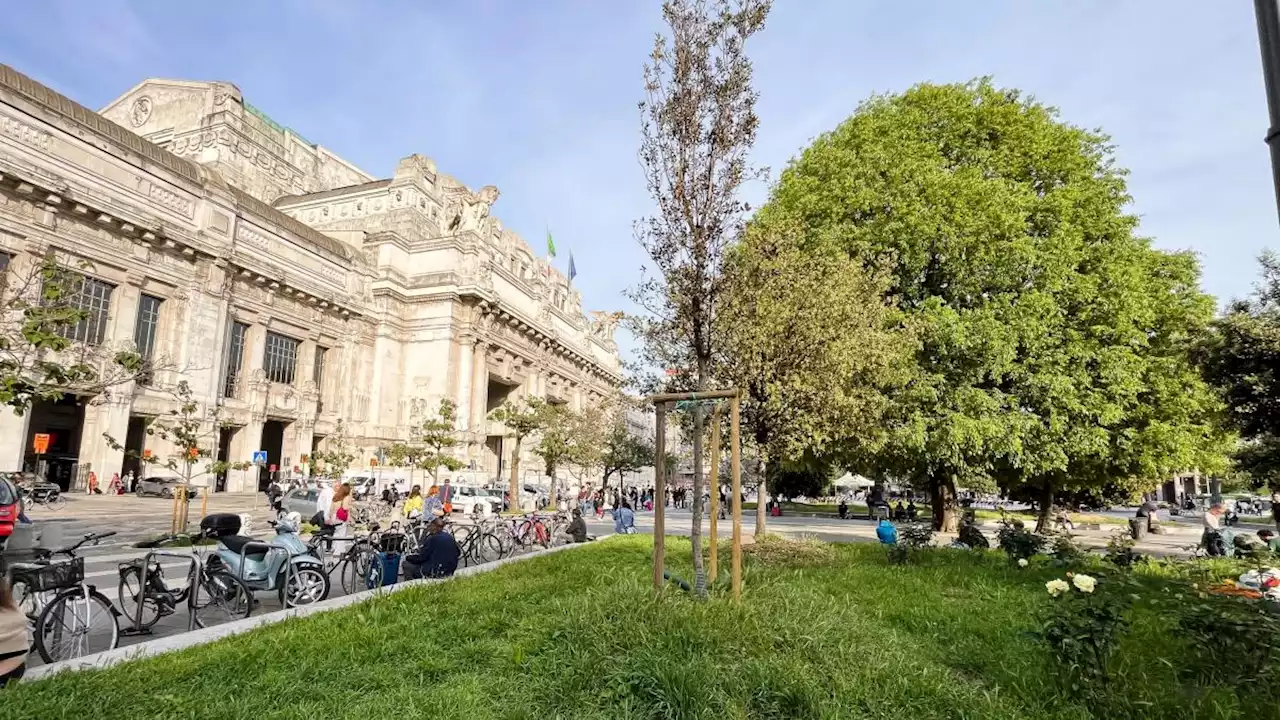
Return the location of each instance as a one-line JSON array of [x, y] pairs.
[[660, 403]]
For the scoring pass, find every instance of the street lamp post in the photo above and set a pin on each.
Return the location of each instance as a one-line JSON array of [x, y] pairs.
[[1268, 14]]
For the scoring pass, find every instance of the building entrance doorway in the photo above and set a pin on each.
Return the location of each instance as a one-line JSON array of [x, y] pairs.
[[225, 436], [135, 442], [273, 443], [63, 421]]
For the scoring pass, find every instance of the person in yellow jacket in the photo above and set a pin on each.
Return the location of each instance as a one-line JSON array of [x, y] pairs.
[[413, 503]]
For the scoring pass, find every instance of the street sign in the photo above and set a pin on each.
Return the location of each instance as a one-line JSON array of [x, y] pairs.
[[40, 443], [259, 457]]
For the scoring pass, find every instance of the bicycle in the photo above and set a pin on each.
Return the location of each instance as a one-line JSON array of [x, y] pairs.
[[50, 498], [358, 565], [63, 628], [225, 597]]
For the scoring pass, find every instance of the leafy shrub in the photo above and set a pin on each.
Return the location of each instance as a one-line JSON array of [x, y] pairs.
[[1236, 641], [971, 537], [911, 539], [1017, 541], [1120, 550], [1082, 628], [1065, 551], [777, 550]]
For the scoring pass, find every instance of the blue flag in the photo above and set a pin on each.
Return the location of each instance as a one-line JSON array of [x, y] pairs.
[[573, 270]]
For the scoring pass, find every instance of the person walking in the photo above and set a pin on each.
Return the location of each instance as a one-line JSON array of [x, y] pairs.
[[433, 506], [414, 503], [339, 516], [624, 520], [446, 496]]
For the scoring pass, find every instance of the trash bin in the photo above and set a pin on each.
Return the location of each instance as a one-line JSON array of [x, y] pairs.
[[1137, 528], [389, 564]]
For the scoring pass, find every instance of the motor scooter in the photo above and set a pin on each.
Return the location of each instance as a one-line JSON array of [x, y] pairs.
[[284, 565]]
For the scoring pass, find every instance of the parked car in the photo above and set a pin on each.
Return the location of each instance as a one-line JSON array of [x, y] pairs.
[[163, 486], [10, 505], [302, 501], [467, 498]]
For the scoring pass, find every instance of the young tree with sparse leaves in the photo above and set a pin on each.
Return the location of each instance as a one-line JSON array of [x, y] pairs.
[[193, 431], [40, 359], [521, 420], [336, 456], [438, 434], [698, 126], [623, 453]]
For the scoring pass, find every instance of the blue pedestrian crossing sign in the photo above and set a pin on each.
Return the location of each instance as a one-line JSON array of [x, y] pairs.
[[259, 457]]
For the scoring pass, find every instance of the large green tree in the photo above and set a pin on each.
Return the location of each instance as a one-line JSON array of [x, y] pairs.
[[1242, 359], [1051, 341]]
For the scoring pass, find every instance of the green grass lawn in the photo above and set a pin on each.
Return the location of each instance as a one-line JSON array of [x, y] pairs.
[[835, 632]]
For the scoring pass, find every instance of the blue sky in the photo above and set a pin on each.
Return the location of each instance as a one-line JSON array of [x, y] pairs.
[[539, 97]]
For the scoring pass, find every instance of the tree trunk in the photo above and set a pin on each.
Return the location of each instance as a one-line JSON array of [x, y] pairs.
[[1046, 506], [942, 491], [515, 478], [695, 527], [551, 501], [761, 492]]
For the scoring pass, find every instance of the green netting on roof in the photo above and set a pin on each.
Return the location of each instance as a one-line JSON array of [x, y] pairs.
[[275, 125]]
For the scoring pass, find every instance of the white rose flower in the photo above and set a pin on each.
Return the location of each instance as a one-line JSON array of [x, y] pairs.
[[1057, 587], [1022, 562], [1084, 583]]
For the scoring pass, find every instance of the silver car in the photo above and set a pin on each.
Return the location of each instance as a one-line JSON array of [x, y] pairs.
[[302, 501], [165, 487]]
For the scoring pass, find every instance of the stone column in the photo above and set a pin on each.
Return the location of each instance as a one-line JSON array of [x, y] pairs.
[[243, 444], [479, 386], [13, 438], [465, 375]]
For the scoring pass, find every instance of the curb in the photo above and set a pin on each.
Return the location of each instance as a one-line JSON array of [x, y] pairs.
[[159, 646]]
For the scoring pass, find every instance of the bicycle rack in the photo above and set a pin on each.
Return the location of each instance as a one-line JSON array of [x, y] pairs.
[[193, 573], [288, 564]]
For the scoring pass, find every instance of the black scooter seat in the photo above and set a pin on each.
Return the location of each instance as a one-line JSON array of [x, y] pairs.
[[236, 543]]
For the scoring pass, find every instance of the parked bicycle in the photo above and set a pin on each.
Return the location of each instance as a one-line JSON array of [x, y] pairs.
[[70, 618], [359, 566], [221, 596]]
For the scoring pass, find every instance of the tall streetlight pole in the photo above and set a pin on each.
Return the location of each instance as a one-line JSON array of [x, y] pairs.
[[1268, 14]]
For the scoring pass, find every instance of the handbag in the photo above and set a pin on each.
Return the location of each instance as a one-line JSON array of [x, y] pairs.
[[341, 515]]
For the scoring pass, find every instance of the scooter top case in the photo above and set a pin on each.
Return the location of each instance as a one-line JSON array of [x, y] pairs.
[[220, 525]]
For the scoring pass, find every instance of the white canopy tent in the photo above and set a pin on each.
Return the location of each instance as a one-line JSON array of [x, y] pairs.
[[849, 481]]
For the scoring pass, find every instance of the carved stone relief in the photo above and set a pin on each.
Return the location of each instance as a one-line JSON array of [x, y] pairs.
[[140, 111]]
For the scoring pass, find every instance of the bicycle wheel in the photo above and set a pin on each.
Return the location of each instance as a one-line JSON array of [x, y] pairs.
[[223, 597], [360, 571], [77, 623], [57, 502], [129, 590], [489, 548], [462, 534]]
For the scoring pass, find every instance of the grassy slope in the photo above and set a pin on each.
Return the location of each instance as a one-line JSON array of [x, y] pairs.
[[578, 635]]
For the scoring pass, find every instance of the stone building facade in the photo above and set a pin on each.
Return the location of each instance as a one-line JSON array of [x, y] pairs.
[[292, 290]]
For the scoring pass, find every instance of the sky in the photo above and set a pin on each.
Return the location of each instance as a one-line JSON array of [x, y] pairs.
[[539, 98]]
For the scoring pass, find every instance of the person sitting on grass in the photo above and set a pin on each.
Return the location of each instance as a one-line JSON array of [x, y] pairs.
[[887, 533], [624, 520], [912, 512], [843, 509], [1271, 540], [436, 557], [577, 530]]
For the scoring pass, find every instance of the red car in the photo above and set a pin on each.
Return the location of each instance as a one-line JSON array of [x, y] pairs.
[[10, 506]]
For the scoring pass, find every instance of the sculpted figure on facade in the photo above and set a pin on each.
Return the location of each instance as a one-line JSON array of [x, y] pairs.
[[471, 211], [605, 324]]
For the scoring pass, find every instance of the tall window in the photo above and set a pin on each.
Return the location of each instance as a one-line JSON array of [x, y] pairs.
[[144, 331], [93, 297], [235, 358], [281, 358], [318, 376]]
